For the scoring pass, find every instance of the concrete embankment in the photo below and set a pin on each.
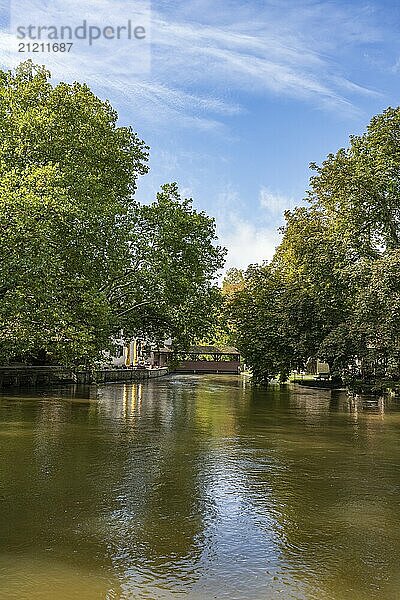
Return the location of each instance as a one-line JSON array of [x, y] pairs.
[[119, 375], [28, 376]]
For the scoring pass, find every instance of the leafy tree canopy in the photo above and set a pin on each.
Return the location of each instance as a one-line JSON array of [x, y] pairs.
[[332, 287], [79, 257]]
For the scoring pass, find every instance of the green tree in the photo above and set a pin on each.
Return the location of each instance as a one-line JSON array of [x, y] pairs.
[[233, 281], [254, 312], [358, 188], [169, 287], [79, 258], [376, 317], [67, 176], [329, 290], [276, 323]]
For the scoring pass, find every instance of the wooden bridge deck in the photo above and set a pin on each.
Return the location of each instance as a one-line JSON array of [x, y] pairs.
[[209, 366]]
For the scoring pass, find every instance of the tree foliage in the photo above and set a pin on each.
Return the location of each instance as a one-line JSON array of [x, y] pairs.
[[169, 287], [79, 257], [332, 288]]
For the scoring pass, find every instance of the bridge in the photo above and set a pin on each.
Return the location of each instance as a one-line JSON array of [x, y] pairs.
[[208, 359]]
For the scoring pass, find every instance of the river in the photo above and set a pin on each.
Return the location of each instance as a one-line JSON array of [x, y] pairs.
[[198, 487]]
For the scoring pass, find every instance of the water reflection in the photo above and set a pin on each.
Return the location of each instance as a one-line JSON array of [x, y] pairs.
[[200, 487]]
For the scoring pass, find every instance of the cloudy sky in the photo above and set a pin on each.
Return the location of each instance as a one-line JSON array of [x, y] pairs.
[[235, 97]]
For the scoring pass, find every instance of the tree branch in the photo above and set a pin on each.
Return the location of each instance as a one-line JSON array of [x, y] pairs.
[[134, 307]]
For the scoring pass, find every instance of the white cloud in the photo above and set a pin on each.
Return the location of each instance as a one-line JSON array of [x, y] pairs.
[[201, 53], [247, 243], [274, 203]]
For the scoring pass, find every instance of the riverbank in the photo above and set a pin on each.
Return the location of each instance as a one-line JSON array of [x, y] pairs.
[[320, 384], [378, 388], [31, 377]]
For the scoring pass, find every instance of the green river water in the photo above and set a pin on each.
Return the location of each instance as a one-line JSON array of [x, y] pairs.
[[198, 487]]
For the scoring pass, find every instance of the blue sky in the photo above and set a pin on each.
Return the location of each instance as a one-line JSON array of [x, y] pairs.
[[240, 97]]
